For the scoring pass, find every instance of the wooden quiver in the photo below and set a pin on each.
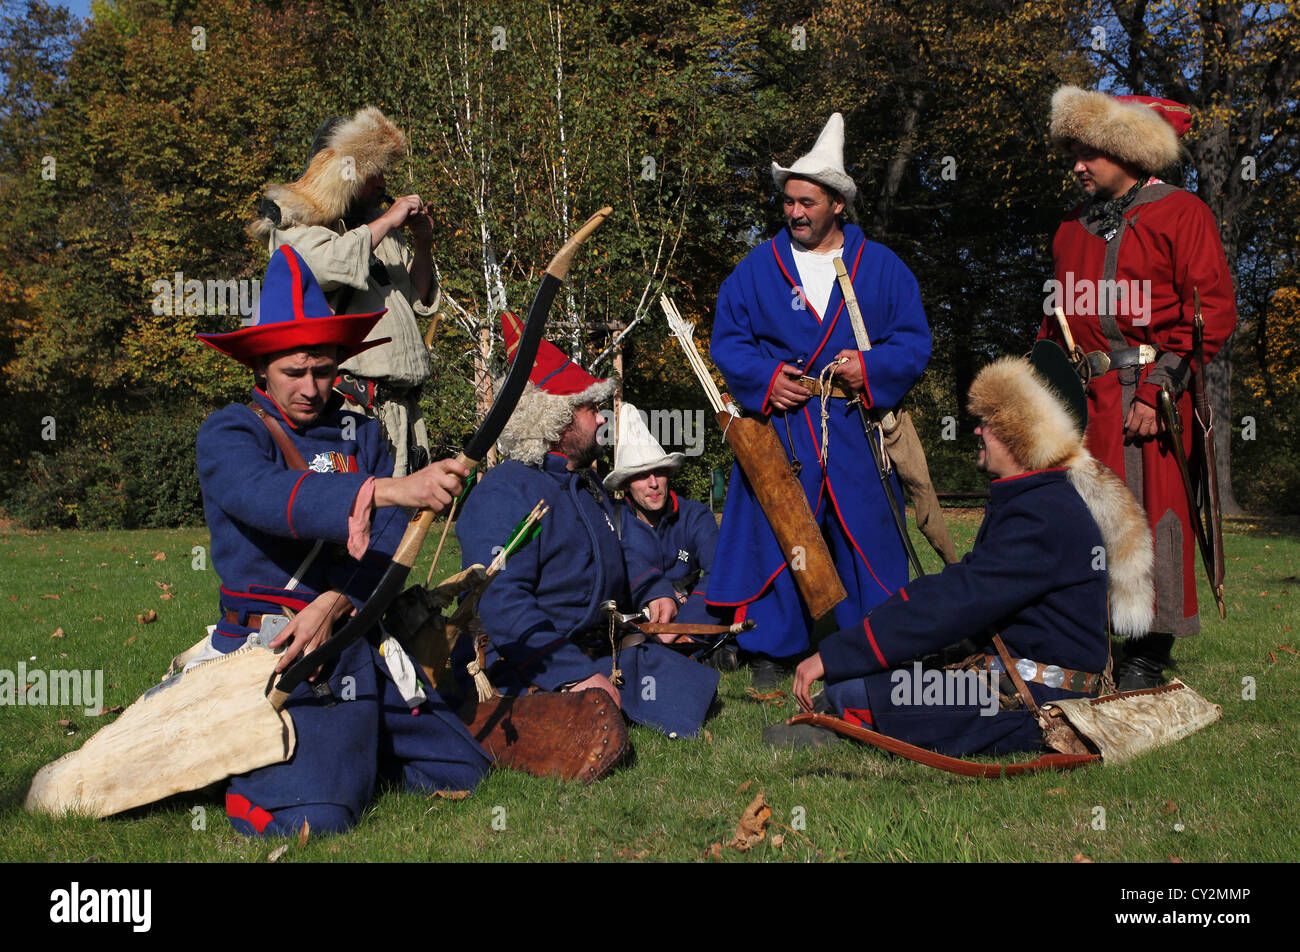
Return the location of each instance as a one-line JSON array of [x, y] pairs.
[[1123, 726], [766, 468]]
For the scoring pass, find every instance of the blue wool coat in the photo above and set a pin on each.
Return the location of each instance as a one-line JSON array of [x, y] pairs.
[[762, 322], [1034, 576], [264, 519], [661, 559], [542, 613]]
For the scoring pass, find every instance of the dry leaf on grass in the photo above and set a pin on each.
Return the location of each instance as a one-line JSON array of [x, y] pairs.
[[627, 853], [753, 824], [769, 696], [777, 840], [1169, 807], [715, 851], [277, 853], [55, 597], [451, 794], [1080, 858], [58, 633], [744, 786], [128, 641], [304, 833], [160, 557], [147, 616], [1175, 859], [118, 709]]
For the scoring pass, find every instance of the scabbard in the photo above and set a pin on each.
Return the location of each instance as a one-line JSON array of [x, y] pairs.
[[781, 497], [1207, 463], [687, 628], [1174, 432], [904, 447]]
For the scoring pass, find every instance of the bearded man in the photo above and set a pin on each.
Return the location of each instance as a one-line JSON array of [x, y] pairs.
[[1129, 262]]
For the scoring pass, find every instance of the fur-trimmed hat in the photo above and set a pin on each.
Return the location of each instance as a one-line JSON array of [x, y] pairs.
[[350, 153], [637, 452], [1140, 130], [292, 312], [1013, 401], [824, 164], [556, 385]]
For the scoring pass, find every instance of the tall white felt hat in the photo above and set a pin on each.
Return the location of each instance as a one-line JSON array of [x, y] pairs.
[[824, 164], [637, 451]]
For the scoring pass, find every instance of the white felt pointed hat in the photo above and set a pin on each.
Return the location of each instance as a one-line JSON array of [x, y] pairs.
[[824, 164], [636, 451]]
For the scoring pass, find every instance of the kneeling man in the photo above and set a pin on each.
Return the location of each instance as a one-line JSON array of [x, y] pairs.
[[1059, 530], [543, 612], [304, 516]]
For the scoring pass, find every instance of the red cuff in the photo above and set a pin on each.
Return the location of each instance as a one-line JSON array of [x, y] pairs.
[[363, 507], [1149, 394], [867, 401], [767, 397]]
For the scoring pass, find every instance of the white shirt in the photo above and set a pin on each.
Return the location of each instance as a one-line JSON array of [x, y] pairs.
[[816, 274]]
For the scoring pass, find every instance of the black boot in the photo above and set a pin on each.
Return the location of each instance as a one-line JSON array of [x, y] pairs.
[[1144, 663]]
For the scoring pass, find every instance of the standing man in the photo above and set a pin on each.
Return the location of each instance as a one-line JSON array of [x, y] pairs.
[[668, 541], [278, 475], [543, 613], [1128, 262], [333, 218], [781, 322]]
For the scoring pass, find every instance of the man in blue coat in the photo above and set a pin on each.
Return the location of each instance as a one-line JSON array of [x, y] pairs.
[[543, 612], [781, 324], [304, 515], [1060, 533]]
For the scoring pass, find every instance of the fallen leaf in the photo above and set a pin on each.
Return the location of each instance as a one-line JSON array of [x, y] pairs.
[[166, 596], [628, 853], [1080, 858], [58, 633], [1170, 807], [744, 786], [451, 794], [715, 851], [1175, 859], [277, 853], [69, 727], [1055, 790], [55, 597], [304, 832], [1272, 658], [753, 824], [128, 641], [147, 616], [1288, 649], [777, 840], [160, 556], [108, 710], [708, 737], [770, 696], [98, 618]]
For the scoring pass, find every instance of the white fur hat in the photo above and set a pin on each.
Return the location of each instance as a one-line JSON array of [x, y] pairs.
[[637, 451], [824, 164], [1141, 130]]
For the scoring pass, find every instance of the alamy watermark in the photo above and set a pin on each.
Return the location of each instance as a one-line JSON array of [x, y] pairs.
[[949, 687], [1086, 297], [181, 295], [55, 688], [684, 428]]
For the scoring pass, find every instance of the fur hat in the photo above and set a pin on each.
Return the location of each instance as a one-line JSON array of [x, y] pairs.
[[556, 385], [350, 153], [824, 164], [1140, 130], [637, 452], [291, 313], [1030, 418]]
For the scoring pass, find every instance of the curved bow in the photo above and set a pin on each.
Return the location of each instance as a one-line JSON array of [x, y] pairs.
[[394, 577]]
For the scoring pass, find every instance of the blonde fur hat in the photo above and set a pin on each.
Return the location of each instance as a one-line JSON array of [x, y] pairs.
[[1030, 418], [1126, 129], [354, 151]]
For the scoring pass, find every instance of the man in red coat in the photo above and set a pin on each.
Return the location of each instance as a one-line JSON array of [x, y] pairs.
[[1128, 261]]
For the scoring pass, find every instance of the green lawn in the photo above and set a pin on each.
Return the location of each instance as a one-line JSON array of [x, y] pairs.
[[1225, 794]]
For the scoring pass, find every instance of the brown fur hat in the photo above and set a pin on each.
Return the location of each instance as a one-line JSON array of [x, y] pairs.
[[540, 417], [1128, 131], [1013, 401], [355, 150]]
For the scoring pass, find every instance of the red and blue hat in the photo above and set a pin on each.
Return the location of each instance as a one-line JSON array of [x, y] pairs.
[[292, 313]]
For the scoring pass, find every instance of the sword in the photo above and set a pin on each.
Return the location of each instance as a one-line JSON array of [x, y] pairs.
[[875, 428], [1209, 475], [1174, 428]]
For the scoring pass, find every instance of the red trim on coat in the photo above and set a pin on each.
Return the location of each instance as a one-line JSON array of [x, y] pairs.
[[1031, 472], [752, 598], [240, 808], [903, 592], [871, 640], [860, 716], [288, 514], [867, 400], [278, 408], [829, 327], [856, 548], [766, 408], [297, 604]]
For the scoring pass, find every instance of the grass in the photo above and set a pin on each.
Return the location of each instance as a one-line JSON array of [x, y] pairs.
[[1224, 794]]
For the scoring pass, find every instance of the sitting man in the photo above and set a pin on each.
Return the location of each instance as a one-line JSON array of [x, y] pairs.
[[266, 510], [668, 541], [1059, 530], [543, 613]]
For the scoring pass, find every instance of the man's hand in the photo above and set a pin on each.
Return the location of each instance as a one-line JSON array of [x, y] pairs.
[[1141, 422], [786, 395], [602, 682], [850, 372], [433, 487], [810, 669], [311, 628], [661, 611], [407, 209]]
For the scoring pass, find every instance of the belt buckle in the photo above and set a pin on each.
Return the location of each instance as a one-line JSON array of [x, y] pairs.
[[1099, 362], [1146, 354]]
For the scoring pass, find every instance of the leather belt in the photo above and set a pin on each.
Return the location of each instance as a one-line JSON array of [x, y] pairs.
[[1052, 675], [1100, 361], [254, 619], [838, 392]]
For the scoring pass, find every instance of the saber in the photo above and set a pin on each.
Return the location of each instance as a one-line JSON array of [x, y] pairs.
[[1207, 462], [1174, 427], [874, 429], [394, 578]]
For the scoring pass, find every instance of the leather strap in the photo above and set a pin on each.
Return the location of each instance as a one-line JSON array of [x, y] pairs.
[[838, 392], [1067, 679], [1021, 688], [1101, 362], [291, 454], [930, 758]]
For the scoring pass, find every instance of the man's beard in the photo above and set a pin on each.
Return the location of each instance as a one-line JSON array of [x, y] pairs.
[[580, 454]]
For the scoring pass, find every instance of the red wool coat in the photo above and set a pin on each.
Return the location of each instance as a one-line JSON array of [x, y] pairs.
[[1138, 289]]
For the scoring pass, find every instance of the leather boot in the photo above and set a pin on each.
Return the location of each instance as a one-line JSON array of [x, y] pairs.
[[1144, 663]]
